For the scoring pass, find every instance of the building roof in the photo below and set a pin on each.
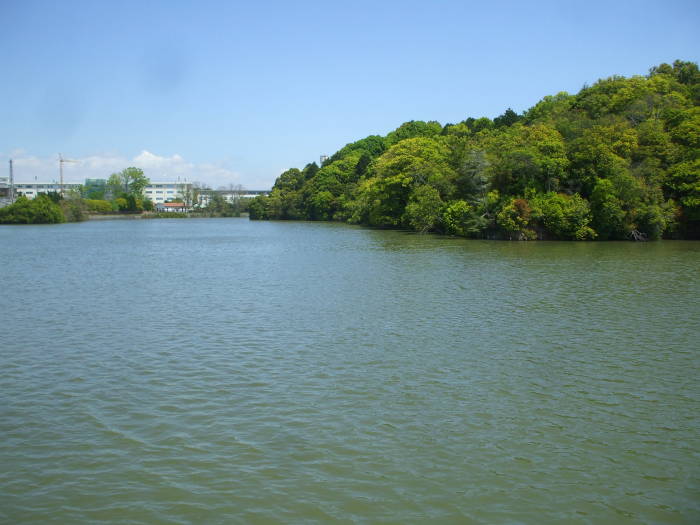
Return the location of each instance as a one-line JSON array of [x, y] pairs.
[[173, 204]]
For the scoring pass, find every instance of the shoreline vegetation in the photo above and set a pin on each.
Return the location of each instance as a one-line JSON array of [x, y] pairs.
[[52, 209], [619, 160], [121, 197]]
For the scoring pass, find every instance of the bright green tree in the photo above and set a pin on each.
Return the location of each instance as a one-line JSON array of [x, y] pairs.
[[129, 181], [424, 210]]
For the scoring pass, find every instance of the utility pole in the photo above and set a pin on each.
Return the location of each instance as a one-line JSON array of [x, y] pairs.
[[12, 184], [61, 160]]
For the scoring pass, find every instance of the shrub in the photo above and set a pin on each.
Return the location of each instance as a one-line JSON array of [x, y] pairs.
[[514, 219], [74, 210], [41, 210], [563, 216], [98, 206], [461, 218]]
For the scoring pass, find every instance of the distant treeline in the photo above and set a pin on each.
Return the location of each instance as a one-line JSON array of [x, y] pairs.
[[123, 194], [52, 208], [618, 160]]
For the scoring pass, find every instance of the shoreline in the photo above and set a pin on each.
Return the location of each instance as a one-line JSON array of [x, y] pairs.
[[115, 217]]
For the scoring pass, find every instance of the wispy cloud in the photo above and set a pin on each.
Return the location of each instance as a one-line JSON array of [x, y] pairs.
[[27, 168]]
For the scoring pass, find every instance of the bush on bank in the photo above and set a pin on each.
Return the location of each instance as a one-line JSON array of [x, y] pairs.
[[41, 210]]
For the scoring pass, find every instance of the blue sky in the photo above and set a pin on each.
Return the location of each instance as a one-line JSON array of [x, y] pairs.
[[235, 92]]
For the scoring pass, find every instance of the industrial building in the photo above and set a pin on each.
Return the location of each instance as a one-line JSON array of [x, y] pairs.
[[157, 192]]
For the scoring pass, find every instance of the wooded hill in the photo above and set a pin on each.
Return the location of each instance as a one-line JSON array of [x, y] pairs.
[[618, 160]]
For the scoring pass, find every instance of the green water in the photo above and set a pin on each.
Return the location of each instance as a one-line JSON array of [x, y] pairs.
[[226, 371]]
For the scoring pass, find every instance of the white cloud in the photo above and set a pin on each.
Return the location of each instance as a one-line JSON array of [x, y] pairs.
[[101, 166]]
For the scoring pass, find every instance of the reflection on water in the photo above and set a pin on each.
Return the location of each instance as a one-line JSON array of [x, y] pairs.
[[226, 370]]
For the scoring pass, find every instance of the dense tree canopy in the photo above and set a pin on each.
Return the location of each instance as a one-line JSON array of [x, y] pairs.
[[41, 210], [126, 188], [618, 160]]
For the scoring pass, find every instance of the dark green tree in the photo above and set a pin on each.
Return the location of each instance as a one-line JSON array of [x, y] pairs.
[[508, 118]]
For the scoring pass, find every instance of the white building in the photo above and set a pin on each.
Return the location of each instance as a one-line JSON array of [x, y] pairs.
[[159, 192], [32, 189], [178, 207], [229, 195], [5, 197]]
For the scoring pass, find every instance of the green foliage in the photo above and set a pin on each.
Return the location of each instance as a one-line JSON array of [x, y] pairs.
[[424, 210], [362, 164], [125, 190], [683, 183], [218, 206], [322, 206], [508, 118], [528, 157], [373, 146], [365, 205], [74, 210], [310, 170], [406, 165], [98, 206], [121, 204], [54, 196], [478, 125], [418, 161], [133, 203], [258, 208], [551, 109], [412, 129], [41, 210], [94, 189], [471, 172], [565, 217], [620, 157], [608, 213], [129, 180], [686, 128], [463, 219], [290, 180], [514, 219], [332, 176]]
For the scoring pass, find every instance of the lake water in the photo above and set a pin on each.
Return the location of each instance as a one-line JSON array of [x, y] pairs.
[[227, 371]]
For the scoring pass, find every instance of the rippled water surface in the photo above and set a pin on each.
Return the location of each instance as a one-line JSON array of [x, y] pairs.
[[226, 371]]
